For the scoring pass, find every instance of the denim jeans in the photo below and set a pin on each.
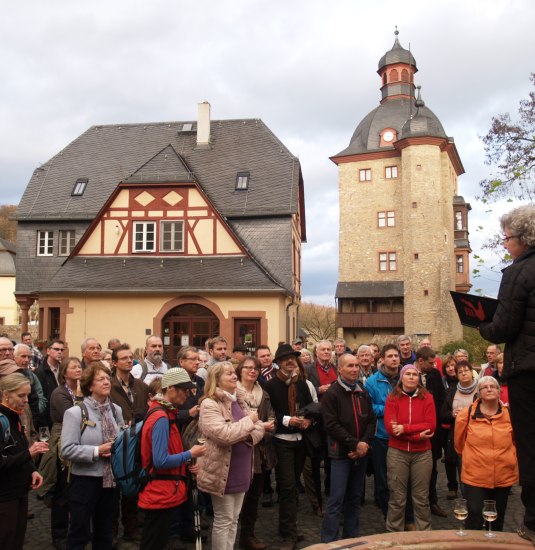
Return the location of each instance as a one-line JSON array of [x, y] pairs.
[[347, 482], [379, 452]]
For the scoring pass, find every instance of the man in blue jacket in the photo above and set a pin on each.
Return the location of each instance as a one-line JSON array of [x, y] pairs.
[[379, 386]]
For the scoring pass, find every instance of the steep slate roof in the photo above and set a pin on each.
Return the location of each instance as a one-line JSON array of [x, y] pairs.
[[144, 274], [166, 152], [7, 259], [109, 154], [370, 289]]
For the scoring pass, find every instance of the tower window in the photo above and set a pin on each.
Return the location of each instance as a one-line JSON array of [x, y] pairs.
[[460, 264], [459, 221], [404, 75], [386, 219], [242, 180], [391, 172], [365, 174], [394, 75], [388, 261]]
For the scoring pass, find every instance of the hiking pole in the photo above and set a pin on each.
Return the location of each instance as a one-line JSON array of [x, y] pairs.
[[195, 498]]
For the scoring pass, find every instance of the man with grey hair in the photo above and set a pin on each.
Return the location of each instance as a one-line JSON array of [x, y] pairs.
[[323, 372], [91, 351], [153, 365], [339, 348], [366, 364], [407, 356]]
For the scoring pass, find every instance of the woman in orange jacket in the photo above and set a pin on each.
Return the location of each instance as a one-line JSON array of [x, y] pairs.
[[484, 438]]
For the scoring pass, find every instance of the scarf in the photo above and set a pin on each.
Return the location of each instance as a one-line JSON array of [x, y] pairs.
[[254, 397], [109, 432], [468, 389], [393, 379], [292, 394], [346, 384], [163, 403]]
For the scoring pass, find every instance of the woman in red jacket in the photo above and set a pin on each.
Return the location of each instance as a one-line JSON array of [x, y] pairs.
[[410, 420]]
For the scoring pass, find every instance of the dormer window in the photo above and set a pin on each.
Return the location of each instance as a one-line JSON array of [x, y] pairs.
[[242, 181], [79, 187]]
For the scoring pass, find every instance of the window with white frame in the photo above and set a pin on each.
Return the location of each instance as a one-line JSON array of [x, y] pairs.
[[459, 220], [172, 236], [242, 181], [365, 174], [391, 172], [144, 237], [45, 243], [387, 261], [79, 187], [66, 242], [460, 264], [386, 219]]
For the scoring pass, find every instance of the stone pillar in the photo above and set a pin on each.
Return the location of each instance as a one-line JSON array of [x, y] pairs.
[[25, 302]]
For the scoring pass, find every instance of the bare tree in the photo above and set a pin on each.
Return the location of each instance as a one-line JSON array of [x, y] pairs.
[[318, 321], [8, 227]]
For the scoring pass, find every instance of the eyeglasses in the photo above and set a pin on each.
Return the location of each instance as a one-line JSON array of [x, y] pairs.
[[251, 368], [5, 350], [58, 349], [506, 239], [191, 359]]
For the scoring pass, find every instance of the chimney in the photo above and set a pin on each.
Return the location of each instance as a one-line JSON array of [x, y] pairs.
[[203, 124]]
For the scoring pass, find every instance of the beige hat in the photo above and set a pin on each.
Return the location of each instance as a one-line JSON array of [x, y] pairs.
[[177, 377], [8, 366]]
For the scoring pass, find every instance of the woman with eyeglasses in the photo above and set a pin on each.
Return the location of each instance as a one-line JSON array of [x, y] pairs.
[[18, 472], [484, 440], [514, 324], [458, 396], [87, 435], [264, 457]]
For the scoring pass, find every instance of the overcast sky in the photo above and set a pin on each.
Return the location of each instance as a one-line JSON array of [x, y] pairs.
[[307, 68]]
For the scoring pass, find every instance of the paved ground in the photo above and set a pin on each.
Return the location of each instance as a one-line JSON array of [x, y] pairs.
[[371, 520]]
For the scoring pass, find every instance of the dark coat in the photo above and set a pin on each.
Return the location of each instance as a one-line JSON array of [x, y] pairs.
[[435, 386], [348, 418], [140, 391], [49, 384], [313, 376], [278, 393], [16, 464], [514, 320]]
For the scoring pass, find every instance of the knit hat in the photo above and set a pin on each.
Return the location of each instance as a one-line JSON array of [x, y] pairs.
[[177, 377], [8, 366], [405, 369]]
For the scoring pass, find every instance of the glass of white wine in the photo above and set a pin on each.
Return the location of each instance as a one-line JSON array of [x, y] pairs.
[[460, 511], [44, 434], [201, 440], [489, 514]]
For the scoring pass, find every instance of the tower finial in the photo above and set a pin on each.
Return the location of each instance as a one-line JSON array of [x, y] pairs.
[[419, 101], [396, 32]]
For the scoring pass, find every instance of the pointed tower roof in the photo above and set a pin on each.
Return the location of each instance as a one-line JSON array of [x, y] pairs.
[[398, 54]]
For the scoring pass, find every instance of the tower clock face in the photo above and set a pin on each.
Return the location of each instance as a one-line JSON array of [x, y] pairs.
[[388, 135]]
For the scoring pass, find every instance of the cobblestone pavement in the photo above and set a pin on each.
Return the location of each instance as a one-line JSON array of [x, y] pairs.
[[371, 520]]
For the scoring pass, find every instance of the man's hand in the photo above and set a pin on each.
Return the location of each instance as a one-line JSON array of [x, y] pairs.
[[324, 388], [37, 480], [194, 411]]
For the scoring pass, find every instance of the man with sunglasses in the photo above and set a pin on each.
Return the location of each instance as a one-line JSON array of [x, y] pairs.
[[48, 375]]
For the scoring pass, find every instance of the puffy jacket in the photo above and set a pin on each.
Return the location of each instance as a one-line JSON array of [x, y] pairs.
[[221, 432], [348, 418], [416, 415], [487, 447], [379, 387], [162, 493], [514, 320]]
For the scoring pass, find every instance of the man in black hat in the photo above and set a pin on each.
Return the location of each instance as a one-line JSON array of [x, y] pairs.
[[288, 394]]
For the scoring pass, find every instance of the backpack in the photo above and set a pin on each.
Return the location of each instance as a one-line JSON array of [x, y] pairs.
[[126, 465], [6, 428], [85, 416]]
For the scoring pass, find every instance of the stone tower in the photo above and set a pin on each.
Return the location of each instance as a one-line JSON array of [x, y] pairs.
[[399, 257]]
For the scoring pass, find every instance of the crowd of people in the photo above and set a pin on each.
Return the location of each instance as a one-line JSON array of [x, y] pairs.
[[217, 426]]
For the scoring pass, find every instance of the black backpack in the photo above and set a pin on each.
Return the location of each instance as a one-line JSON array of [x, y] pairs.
[[126, 465]]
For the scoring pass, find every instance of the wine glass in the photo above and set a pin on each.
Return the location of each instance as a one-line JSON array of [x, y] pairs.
[[201, 441], [44, 434], [489, 514], [460, 511]]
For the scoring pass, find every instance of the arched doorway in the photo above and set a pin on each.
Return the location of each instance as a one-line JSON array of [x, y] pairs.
[[187, 325]]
